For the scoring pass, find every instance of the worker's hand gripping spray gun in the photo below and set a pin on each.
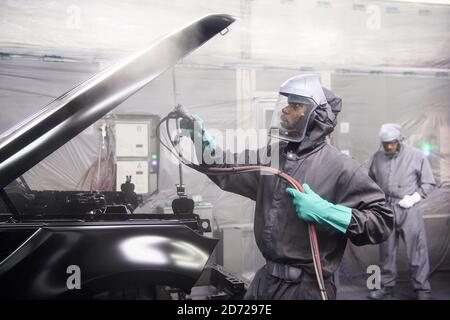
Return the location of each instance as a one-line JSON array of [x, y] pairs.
[[193, 126]]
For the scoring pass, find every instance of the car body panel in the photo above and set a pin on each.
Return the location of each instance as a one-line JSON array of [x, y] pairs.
[[42, 254], [108, 255]]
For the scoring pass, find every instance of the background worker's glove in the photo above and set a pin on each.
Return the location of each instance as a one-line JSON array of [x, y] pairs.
[[409, 200], [310, 207], [196, 131]]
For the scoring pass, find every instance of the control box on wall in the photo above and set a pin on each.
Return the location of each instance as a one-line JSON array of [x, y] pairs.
[[136, 151]]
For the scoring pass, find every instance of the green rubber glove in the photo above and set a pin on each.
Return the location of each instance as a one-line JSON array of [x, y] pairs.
[[310, 207], [196, 131]]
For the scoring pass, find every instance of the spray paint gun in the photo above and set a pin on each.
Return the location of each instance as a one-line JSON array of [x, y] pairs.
[[187, 121], [180, 112], [195, 126]]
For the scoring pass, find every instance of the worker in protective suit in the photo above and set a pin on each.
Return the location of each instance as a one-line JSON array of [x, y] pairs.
[[340, 199], [405, 175]]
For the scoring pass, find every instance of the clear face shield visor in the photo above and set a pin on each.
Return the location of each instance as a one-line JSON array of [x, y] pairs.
[[291, 117]]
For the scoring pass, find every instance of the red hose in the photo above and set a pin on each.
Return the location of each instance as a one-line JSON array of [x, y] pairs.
[[311, 228]]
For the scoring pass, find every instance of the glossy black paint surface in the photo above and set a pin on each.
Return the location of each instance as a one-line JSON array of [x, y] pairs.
[[109, 255]]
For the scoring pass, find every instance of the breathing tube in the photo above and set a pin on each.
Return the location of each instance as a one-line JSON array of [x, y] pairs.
[[179, 113]]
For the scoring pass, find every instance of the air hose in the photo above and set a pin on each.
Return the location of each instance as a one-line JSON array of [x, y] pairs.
[[175, 115]]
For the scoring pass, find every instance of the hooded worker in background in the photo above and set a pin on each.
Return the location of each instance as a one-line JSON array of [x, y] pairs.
[[340, 198], [405, 176]]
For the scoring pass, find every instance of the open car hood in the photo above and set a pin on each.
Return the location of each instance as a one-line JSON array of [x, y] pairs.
[[26, 144], [134, 250]]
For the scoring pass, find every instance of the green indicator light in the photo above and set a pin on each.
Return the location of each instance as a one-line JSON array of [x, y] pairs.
[[427, 148], [154, 156]]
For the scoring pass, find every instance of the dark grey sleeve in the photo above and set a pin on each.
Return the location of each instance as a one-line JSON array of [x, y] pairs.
[[244, 184], [426, 178], [372, 221]]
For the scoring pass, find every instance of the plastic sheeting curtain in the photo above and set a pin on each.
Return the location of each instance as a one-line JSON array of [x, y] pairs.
[[389, 61]]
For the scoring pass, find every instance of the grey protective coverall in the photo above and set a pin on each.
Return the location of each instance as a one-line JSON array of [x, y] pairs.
[[400, 175], [282, 236]]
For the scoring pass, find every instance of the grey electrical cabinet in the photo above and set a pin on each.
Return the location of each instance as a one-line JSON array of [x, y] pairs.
[[136, 151]]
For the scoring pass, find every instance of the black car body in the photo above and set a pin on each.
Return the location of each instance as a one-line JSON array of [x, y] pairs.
[[75, 254]]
